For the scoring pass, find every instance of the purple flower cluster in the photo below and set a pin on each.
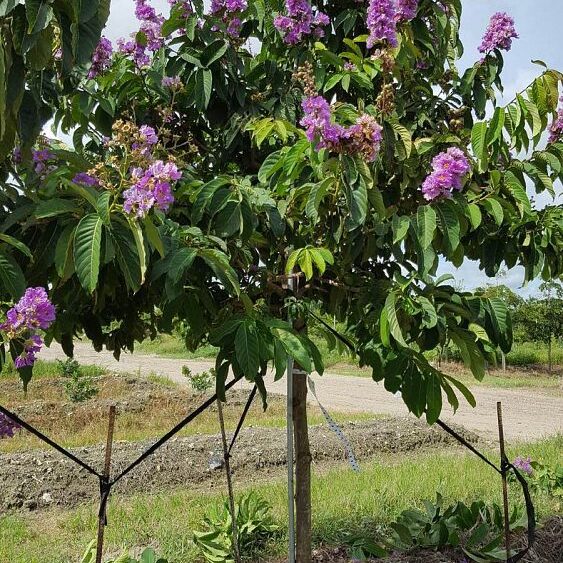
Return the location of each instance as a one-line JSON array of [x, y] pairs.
[[151, 28], [449, 169], [152, 188], [101, 58], [382, 22], [172, 82], [364, 137], [7, 426], [406, 9], [41, 158], [230, 12], [524, 464], [86, 179], [499, 33], [33, 312], [300, 22], [383, 17], [556, 128]]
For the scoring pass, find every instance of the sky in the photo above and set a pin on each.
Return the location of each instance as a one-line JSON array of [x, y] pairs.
[[538, 23]]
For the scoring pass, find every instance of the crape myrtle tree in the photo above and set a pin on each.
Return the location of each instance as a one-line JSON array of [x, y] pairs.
[[239, 165]]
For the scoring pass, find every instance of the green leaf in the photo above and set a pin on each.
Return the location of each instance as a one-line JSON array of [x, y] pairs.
[[518, 191], [87, 244], [425, 225], [16, 244], [479, 144], [219, 263], [474, 214], [470, 352], [400, 228], [127, 255], [39, 13], [11, 276], [306, 263], [394, 326], [463, 390], [64, 257], [433, 398], [495, 126], [180, 262], [213, 52], [203, 85], [295, 348], [495, 209], [247, 349], [102, 206], [55, 206], [140, 244], [153, 235], [449, 225]]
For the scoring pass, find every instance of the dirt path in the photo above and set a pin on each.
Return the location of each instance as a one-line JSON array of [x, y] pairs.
[[528, 414]]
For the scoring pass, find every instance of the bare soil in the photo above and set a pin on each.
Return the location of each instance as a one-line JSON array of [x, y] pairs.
[[42, 478], [528, 414]]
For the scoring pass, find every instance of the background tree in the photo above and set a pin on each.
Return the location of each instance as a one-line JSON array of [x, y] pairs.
[[542, 319], [264, 160]]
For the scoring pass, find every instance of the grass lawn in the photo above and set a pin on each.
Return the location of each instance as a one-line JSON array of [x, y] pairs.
[[344, 503]]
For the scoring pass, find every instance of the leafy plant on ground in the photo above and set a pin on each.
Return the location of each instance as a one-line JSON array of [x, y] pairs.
[[541, 477], [79, 385], [148, 556], [477, 529], [200, 382], [254, 523]]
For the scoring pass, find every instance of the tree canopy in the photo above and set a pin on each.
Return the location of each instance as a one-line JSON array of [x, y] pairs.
[[232, 166]]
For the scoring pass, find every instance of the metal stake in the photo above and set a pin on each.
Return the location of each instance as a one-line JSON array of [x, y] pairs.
[[504, 482], [107, 468]]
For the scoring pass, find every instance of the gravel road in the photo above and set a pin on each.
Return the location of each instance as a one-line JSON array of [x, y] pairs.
[[528, 414]]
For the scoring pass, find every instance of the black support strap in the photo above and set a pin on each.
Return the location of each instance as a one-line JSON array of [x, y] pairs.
[[505, 467], [242, 418]]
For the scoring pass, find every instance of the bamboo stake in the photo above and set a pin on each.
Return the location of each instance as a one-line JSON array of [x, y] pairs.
[[504, 482], [236, 552], [107, 468]]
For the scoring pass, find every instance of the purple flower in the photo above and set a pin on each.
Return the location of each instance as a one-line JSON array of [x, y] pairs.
[[556, 128], [406, 9], [31, 313], [365, 137], [148, 134], [381, 22], [172, 82], [300, 22], [101, 59], [17, 155], [524, 465], [229, 11], [449, 169], [350, 66], [152, 188], [317, 117], [151, 27], [7, 426], [499, 33], [86, 180], [41, 159]]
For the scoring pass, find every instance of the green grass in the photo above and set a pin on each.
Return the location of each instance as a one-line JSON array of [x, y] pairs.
[[42, 369], [172, 346], [511, 379], [344, 502]]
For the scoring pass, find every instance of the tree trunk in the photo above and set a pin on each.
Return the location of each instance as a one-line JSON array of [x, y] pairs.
[[503, 360], [302, 470]]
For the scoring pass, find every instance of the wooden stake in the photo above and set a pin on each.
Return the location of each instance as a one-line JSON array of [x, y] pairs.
[[504, 482], [107, 468], [229, 482]]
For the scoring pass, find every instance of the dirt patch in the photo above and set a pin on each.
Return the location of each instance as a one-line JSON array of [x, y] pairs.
[[40, 479]]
